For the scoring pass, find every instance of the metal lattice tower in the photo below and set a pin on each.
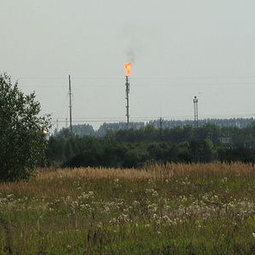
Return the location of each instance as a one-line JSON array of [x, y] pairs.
[[195, 101], [127, 98]]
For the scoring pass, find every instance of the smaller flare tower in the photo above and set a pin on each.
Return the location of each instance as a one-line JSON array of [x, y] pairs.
[[195, 102]]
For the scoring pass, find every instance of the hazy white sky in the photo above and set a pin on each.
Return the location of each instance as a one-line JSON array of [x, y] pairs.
[[181, 48]]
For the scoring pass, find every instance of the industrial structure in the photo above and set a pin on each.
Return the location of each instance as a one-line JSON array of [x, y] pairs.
[[128, 72], [195, 101], [128, 69]]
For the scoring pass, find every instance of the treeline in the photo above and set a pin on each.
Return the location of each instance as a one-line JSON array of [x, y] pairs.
[[147, 145], [86, 129]]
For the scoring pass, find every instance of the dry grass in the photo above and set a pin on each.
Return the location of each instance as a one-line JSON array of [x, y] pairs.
[[96, 173], [151, 172]]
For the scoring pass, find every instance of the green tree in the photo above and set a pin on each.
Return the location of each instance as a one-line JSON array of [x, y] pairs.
[[22, 132], [208, 151]]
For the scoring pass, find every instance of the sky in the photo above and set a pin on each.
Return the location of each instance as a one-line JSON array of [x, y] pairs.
[[179, 49]]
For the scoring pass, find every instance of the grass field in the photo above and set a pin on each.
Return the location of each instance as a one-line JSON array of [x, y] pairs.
[[175, 209]]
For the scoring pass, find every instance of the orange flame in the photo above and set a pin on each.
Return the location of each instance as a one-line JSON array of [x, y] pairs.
[[128, 68]]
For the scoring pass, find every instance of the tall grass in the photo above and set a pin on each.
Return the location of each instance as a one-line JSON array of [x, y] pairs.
[[170, 209], [153, 171]]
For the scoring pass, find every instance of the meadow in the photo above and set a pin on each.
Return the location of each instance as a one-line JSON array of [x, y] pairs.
[[188, 209]]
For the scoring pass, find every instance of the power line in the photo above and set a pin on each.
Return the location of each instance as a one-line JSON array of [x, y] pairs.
[[145, 120], [139, 84]]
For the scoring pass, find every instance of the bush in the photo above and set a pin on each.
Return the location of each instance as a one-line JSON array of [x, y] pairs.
[[22, 132]]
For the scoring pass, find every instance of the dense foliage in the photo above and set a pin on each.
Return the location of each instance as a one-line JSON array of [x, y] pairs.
[[22, 138], [136, 148]]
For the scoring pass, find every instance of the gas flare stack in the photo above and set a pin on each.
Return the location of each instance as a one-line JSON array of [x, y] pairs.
[[128, 68]]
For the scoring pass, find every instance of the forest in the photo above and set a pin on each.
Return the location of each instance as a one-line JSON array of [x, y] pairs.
[[149, 144], [87, 129]]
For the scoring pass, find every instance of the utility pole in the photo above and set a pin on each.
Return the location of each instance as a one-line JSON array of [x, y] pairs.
[[127, 98], [195, 101], [70, 103], [57, 125]]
